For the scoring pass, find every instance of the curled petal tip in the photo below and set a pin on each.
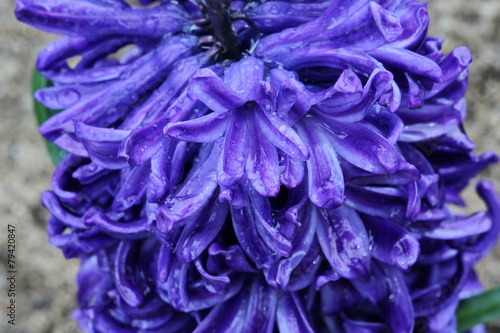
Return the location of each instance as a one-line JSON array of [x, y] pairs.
[[387, 22], [405, 252]]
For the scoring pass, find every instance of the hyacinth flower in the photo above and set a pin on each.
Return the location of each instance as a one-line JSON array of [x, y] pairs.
[[241, 166]]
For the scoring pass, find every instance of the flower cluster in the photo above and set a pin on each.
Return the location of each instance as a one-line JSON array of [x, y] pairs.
[[260, 166]]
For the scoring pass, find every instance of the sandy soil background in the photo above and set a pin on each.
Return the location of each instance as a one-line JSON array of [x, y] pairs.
[[45, 281]]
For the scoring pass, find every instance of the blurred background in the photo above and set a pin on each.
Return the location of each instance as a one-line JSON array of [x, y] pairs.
[[45, 280]]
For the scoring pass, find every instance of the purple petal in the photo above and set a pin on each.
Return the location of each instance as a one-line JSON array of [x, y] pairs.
[[325, 178], [164, 96], [207, 87], [217, 284], [70, 143], [133, 188], [450, 169], [372, 286], [343, 100], [81, 17], [262, 166], [49, 200], [458, 227], [242, 76], [375, 26], [406, 174], [453, 66], [89, 173], [414, 21], [125, 282], [392, 244], [280, 273], [122, 230], [292, 170], [233, 257], [194, 296], [166, 168], [250, 241], [261, 309], [418, 159], [305, 274], [175, 287], [144, 142], [281, 134], [365, 327], [455, 141], [435, 251], [414, 201], [66, 47], [164, 260], [97, 75], [233, 195], [292, 97], [288, 217], [192, 195], [416, 92], [200, 230], [409, 62], [265, 224], [361, 147], [391, 98], [344, 241], [449, 278], [398, 307], [62, 97], [487, 241], [385, 202], [97, 56], [90, 280], [274, 16], [433, 128], [62, 177], [370, 19], [204, 129], [324, 276], [103, 144], [291, 315], [226, 317], [233, 157], [112, 103], [342, 291], [324, 54], [385, 123]]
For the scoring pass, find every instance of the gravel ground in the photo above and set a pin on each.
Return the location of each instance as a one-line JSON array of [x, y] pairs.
[[45, 281]]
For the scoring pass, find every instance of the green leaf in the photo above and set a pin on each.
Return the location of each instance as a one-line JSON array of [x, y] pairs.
[[42, 114], [479, 309]]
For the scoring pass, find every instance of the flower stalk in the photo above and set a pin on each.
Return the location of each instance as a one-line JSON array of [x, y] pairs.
[[222, 28]]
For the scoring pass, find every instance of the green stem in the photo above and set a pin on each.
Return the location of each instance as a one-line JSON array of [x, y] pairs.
[[479, 309], [42, 114]]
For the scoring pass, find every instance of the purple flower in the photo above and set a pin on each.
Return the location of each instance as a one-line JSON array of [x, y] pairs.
[[241, 110], [250, 166]]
